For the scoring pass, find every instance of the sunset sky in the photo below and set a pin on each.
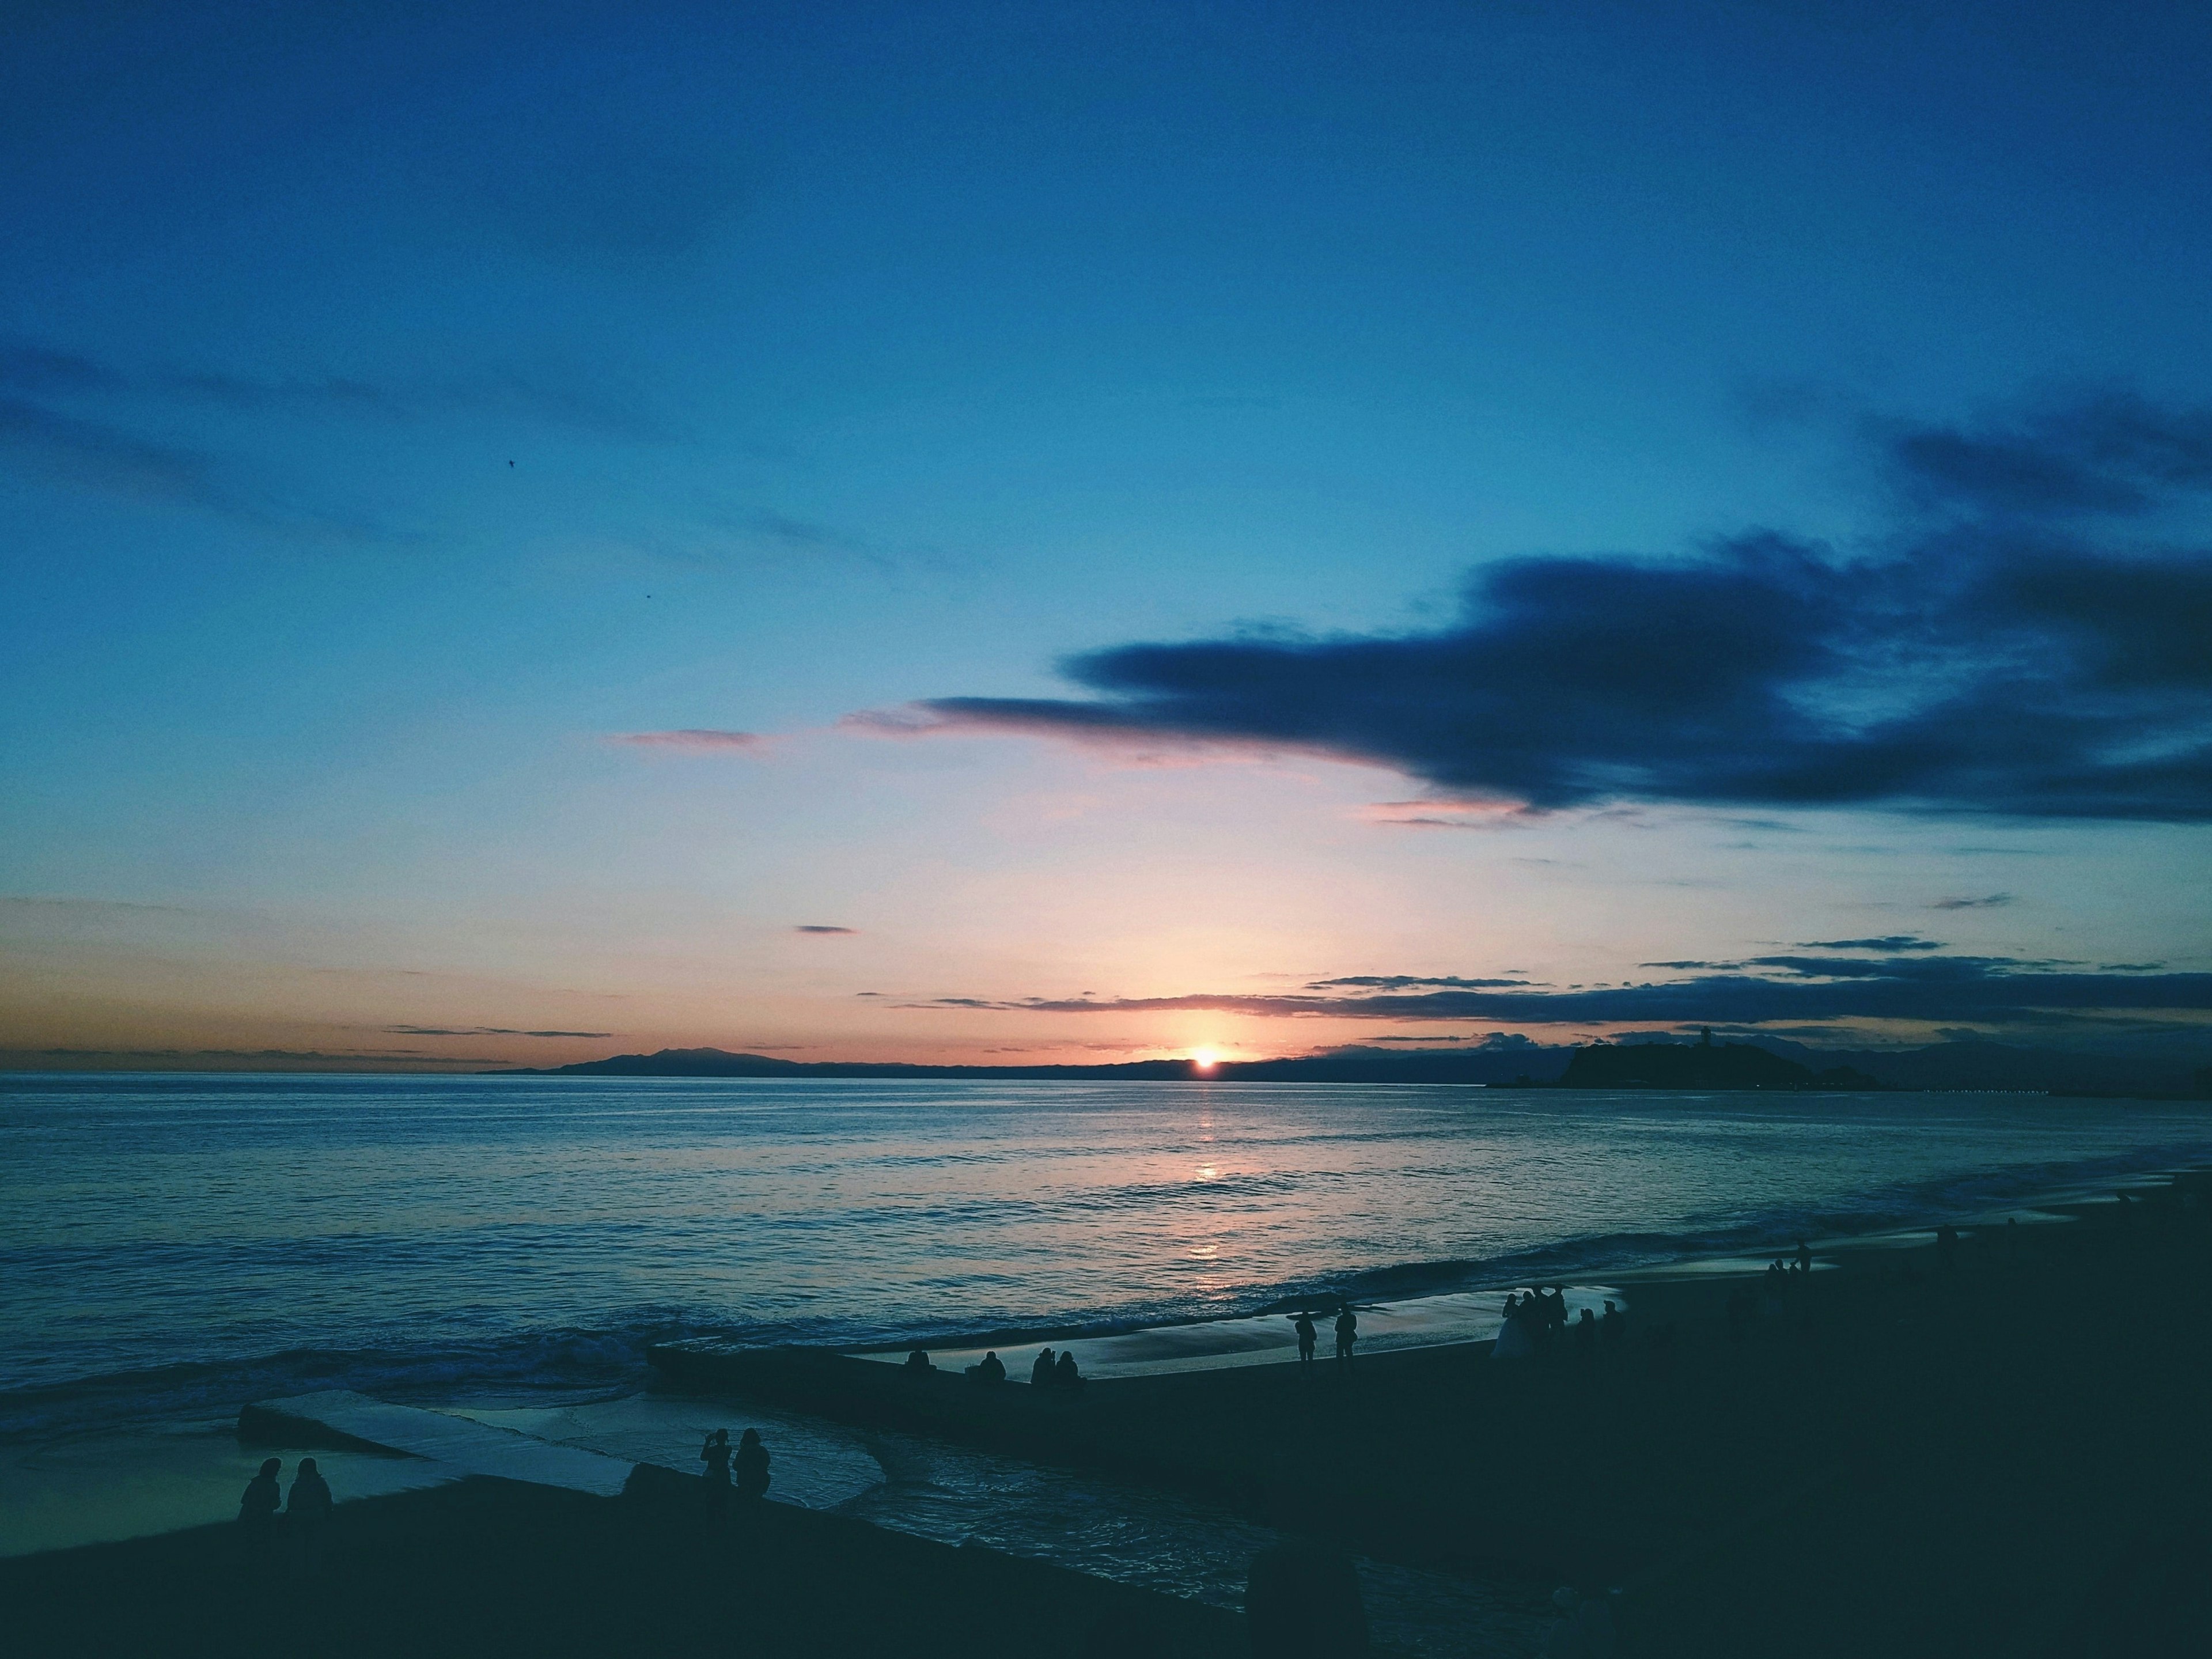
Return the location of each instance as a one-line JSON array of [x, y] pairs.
[[1017, 532]]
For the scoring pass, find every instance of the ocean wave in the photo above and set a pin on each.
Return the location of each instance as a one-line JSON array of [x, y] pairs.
[[605, 1353]]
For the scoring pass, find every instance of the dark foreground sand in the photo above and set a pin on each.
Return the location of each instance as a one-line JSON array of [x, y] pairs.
[[2009, 1457], [486, 1567]]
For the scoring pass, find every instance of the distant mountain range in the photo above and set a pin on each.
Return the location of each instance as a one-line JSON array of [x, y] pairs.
[[1775, 1064]]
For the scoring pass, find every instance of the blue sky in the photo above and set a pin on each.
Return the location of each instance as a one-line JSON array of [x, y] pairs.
[[398, 405]]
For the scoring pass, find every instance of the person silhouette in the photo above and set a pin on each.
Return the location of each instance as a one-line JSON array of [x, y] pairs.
[[1064, 1375], [1307, 1339], [917, 1362], [1612, 1325], [989, 1369], [715, 1454], [1804, 1257], [1586, 1336], [307, 1515], [257, 1506], [1347, 1333], [753, 1466], [1041, 1373]]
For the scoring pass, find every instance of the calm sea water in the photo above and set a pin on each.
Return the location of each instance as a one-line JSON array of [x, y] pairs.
[[173, 1244], [172, 1247]]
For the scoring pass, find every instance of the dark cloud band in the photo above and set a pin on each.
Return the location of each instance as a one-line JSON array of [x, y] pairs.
[[2001, 655]]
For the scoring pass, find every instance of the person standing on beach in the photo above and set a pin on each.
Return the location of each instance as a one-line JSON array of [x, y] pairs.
[[752, 1466], [307, 1517], [715, 1454], [257, 1507], [1347, 1333], [1804, 1257], [1307, 1339]]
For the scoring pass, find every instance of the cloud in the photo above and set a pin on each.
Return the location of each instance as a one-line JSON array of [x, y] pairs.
[[42, 372], [482, 1031], [1987, 902], [1891, 942], [1794, 989], [2103, 453], [1403, 982], [48, 444], [823, 927], [1987, 660], [700, 740]]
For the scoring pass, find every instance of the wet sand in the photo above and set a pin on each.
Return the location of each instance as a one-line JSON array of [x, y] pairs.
[[2005, 1455], [489, 1567]]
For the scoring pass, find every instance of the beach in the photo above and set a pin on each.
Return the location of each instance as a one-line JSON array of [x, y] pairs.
[[485, 1566], [2004, 1454], [1164, 1235]]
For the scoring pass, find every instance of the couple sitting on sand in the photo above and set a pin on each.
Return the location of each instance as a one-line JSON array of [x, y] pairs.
[[1048, 1373], [751, 1462], [307, 1511]]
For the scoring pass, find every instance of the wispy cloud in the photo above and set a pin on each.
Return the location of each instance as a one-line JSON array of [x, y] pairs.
[[1762, 990], [700, 739], [482, 1031], [1887, 942], [822, 927], [1986, 901]]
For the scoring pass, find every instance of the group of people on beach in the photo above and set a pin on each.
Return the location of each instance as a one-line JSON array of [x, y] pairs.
[[306, 1510], [1047, 1370], [1536, 1323]]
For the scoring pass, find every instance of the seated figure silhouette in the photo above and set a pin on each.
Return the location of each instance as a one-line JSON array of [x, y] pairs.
[[1041, 1373], [1064, 1375], [307, 1515], [257, 1506], [753, 1466], [989, 1369], [917, 1362], [1304, 1327]]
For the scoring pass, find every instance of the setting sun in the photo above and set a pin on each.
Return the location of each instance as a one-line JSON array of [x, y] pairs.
[[1205, 1059]]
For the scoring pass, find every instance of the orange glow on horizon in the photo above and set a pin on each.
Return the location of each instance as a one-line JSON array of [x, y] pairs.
[[1205, 1059]]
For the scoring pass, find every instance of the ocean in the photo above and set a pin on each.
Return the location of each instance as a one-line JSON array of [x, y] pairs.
[[173, 1246]]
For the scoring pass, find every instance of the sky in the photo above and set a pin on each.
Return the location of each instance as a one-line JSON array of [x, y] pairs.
[[1031, 533]]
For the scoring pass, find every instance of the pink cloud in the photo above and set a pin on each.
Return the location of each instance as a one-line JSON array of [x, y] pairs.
[[1125, 744], [1447, 814], [699, 740]]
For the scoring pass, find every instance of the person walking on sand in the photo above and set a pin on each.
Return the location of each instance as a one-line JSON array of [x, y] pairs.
[[715, 1454], [257, 1510], [307, 1517], [1307, 1339], [1347, 1333], [752, 1466]]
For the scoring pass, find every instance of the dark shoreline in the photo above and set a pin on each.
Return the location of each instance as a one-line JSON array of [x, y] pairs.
[[1997, 1444]]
